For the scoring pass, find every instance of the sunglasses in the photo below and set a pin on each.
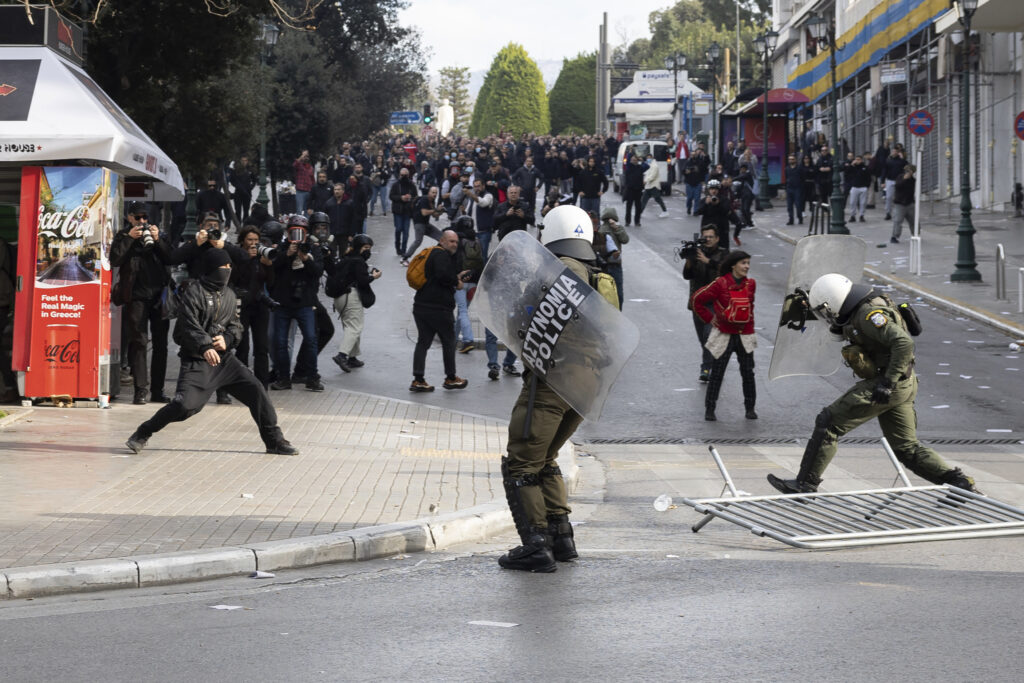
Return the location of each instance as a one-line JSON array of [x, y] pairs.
[[141, 217]]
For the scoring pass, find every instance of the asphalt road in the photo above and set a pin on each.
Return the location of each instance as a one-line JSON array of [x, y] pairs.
[[648, 599]]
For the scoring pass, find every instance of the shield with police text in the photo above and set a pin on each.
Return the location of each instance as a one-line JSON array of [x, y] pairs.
[[803, 343], [562, 329]]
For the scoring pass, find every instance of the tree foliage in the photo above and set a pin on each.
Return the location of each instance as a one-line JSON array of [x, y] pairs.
[[454, 87], [572, 100], [513, 98], [197, 88]]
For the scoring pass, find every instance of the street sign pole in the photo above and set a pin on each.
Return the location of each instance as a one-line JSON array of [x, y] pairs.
[[920, 123]]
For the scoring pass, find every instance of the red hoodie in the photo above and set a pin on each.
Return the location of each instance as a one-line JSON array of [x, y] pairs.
[[733, 302]]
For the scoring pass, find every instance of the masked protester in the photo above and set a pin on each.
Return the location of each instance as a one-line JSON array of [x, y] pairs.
[[207, 330]]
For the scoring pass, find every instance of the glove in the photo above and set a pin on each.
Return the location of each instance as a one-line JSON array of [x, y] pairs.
[[883, 390]]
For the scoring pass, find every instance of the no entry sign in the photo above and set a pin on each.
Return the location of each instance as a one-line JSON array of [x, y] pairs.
[[1018, 125], [920, 122]]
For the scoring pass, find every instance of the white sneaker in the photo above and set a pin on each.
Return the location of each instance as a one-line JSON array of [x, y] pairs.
[[663, 214]]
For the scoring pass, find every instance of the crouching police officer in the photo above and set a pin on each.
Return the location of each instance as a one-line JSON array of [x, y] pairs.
[[207, 329], [881, 351], [533, 481]]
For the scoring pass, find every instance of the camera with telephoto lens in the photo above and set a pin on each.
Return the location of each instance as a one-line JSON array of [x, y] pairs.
[[266, 252], [147, 236], [690, 247]]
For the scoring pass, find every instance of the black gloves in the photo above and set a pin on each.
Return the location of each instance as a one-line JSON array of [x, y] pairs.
[[883, 390]]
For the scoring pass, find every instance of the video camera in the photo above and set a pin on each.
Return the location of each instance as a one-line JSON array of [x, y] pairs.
[[689, 248]]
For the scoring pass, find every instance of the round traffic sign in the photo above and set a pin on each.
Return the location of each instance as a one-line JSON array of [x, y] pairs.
[[920, 122], [1018, 125]]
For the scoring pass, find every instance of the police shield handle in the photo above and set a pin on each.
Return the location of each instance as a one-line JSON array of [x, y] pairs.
[[563, 330], [804, 346]]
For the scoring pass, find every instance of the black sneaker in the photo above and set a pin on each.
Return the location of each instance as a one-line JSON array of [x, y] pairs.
[[894, 240], [888, 216], [281, 385], [299, 379], [354, 362], [511, 370], [751, 415], [136, 442], [315, 384], [160, 398], [467, 347], [705, 375], [342, 361], [223, 398], [282, 448], [862, 219], [493, 372], [709, 415]]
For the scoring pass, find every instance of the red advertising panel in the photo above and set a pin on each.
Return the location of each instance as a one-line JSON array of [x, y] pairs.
[[751, 130], [62, 340]]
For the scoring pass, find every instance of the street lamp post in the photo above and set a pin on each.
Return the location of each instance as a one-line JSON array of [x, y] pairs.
[[825, 34], [268, 39], [966, 266], [674, 63], [713, 54], [765, 46]]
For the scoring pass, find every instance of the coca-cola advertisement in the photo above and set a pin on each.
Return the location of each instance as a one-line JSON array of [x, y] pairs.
[[69, 213]]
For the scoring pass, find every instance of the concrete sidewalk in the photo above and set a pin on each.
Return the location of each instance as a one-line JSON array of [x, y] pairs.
[[890, 263], [375, 477]]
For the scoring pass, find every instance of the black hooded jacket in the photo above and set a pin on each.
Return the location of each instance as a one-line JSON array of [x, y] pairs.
[[202, 314]]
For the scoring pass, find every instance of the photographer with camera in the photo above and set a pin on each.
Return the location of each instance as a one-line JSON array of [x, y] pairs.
[[512, 214], [297, 269], [718, 211], [348, 282], [610, 228], [248, 281], [209, 236], [206, 330], [701, 259], [143, 255]]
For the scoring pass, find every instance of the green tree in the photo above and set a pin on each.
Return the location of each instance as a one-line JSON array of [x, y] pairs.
[[454, 87], [572, 99], [513, 98]]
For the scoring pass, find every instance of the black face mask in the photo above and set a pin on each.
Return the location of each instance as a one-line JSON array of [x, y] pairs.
[[217, 280], [365, 255]]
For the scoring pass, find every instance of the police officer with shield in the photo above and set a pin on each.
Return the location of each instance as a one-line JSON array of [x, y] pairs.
[[880, 350]]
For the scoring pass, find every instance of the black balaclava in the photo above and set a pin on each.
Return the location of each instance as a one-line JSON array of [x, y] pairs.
[[214, 277]]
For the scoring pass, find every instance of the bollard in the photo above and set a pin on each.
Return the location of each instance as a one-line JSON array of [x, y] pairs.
[[1020, 290], [1000, 272], [915, 255]]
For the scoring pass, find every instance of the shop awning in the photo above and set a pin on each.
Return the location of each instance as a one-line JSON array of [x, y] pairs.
[[650, 96], [52, 111]]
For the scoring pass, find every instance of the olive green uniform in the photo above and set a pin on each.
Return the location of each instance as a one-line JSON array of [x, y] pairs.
[[886, 349]]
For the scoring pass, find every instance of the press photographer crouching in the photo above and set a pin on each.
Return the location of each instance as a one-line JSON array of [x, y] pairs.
[[297, 270], [249, 281], [206, 330], [701, 258]]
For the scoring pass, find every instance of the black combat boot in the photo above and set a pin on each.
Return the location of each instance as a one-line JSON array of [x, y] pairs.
[[956, 477], [798, 485], [533, 556], [562, 544]]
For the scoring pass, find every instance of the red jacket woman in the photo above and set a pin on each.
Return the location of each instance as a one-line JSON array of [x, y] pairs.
[[732, 296]]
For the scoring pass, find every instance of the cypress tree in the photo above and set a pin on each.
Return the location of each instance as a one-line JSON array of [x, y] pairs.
[[513, 98]]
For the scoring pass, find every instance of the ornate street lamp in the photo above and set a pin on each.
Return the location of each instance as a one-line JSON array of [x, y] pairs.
[[269, 33], [674, 63], [966, 266], [765, 46], [713, 54], [825, 34]]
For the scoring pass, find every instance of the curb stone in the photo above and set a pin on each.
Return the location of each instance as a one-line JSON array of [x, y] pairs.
[[473, 524], [13, 415], [948, 304]]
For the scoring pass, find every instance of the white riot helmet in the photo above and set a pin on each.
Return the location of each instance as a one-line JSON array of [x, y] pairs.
[[568, 231], [834, 297]]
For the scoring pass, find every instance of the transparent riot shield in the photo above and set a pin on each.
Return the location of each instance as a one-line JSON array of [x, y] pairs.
[[562, 330], [804, 346]]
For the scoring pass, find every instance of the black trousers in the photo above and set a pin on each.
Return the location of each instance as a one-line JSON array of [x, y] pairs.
[[746, 361], [144, 322], [430, 321], [242, 201], [256, 333], [633, 204], [197, 380]]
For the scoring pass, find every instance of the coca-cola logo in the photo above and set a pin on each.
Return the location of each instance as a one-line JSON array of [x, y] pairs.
[[67, 225], [62, 353]]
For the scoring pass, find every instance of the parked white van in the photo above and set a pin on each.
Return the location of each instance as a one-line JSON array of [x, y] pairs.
[[660, 150]]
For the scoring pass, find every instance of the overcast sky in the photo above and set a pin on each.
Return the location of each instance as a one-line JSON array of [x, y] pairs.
[[470, 33]]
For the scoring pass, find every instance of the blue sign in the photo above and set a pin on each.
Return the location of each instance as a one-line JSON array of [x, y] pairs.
[[405, 118], [920, 122], [1018, 125]]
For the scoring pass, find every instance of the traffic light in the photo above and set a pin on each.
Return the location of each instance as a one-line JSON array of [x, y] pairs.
[[428, 116]]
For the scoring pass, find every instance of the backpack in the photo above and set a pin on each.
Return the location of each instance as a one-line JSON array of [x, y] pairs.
[[473, 255], [416, 273], [911, 321], [604, 284], [740, 310], [337, 283]]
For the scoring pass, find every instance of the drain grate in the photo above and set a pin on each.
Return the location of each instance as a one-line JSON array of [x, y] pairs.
[[783, 441]]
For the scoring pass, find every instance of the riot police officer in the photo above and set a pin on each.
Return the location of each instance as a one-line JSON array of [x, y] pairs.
[[881, 353]]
